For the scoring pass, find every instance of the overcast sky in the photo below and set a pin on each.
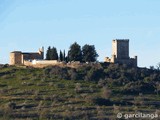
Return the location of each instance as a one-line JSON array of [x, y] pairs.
[[26, 25]]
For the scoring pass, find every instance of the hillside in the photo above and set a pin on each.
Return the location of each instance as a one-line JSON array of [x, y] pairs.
[[87, 92]]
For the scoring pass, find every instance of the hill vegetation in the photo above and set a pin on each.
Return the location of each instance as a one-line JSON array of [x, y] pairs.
[[91, 91], [85, 54]]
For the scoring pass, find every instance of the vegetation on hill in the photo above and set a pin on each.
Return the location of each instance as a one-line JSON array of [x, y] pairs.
[[86, 54], [75, 53], [91, 91], [51, 53]]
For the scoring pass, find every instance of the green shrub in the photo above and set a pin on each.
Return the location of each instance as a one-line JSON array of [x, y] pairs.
[[138, 87]]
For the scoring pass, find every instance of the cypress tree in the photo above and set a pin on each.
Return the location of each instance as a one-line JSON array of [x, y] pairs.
[[61, 56], [64, 56], [48, 53], [54, 54]]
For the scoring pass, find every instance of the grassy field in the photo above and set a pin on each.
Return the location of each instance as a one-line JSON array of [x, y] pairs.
[[26, 93]]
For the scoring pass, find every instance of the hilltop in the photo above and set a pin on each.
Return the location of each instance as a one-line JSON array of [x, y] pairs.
[[87, 92]]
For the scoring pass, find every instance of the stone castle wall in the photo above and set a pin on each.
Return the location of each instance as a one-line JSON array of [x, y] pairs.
[[20, 58], [15, 58], [120, 48], [120, 53]]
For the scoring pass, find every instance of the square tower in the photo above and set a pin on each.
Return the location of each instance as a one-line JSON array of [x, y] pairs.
[[120, 48]]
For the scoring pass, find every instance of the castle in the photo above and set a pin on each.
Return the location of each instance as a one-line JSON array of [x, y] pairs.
[[20, 58], [120, 53]]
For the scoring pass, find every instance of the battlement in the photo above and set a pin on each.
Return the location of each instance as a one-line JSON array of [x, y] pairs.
[[121, 40]]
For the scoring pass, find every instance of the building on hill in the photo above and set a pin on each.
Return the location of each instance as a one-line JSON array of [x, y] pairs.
[[19, 58], [120, 53]]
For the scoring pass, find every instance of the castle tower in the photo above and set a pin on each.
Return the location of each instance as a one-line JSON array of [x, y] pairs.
[[41, 52], [16, 58], [120, 53], [120, 48]]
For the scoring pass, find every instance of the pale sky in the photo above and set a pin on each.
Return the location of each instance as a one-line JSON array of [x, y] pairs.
[[26, 25]]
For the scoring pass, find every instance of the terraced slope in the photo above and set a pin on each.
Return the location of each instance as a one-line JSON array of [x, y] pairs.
[[30, 93]]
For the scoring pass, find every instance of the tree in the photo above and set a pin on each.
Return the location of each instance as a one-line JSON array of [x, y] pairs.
[[52, 54], [61, 56], [75, 53], [152, 67], [89, 53], [64, 56], [48, 53]]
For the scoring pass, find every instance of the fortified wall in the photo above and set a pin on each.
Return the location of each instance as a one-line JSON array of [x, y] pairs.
[[20, 58], [36, 59]]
